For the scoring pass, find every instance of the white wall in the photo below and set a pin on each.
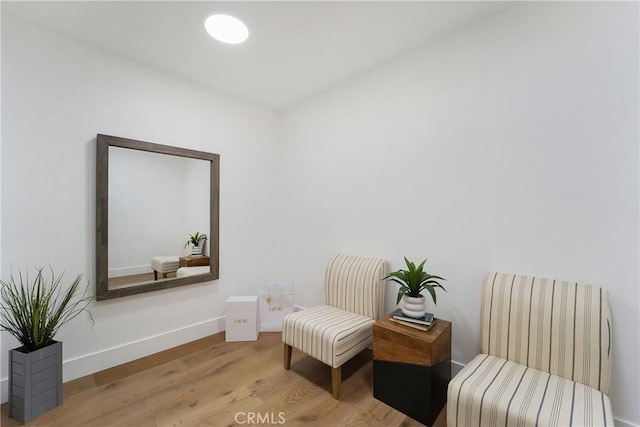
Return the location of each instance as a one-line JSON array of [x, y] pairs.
[[196, 207], [56, 96], [510, 146]]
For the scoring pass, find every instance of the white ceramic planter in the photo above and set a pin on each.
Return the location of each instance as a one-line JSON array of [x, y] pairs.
[[414, 307], [196, 250]]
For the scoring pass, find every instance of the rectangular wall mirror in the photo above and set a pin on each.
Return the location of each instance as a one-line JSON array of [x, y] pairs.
[[150, 199]]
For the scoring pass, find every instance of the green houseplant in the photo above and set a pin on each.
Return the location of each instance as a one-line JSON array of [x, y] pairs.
[[194, 240], [412, 282], [33, 312]]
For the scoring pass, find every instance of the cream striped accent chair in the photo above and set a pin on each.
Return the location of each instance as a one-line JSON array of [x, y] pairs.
[[335, 332], [546, 357]]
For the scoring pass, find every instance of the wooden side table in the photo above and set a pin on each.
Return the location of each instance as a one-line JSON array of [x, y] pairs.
[[412, 368], [193, 261]]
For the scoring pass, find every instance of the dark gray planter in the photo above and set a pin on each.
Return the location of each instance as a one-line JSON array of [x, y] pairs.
[[35, 382]]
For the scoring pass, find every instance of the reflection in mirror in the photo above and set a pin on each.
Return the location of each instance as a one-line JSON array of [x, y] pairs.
[[155, 202], [151, 197]]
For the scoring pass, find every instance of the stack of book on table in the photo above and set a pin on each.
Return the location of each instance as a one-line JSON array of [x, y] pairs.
[[423, 323]]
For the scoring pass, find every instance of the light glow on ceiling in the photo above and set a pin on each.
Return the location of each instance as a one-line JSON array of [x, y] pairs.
[[226, 29]]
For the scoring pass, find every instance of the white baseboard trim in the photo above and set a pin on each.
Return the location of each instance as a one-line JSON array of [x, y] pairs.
[[623, 423], [456, 367], [107, 358]]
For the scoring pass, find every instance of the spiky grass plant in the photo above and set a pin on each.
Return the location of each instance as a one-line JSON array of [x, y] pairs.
[[414, 280], [34, 312]]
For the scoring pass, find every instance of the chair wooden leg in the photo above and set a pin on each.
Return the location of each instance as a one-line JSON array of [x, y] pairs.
[[287, 356], [336, 381], [155, 275]]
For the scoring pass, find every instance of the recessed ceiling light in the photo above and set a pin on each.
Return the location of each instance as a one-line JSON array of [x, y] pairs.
[[226, 29]]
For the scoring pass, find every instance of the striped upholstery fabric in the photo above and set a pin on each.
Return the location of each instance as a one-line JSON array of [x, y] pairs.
[[493, 391], [355, 284], [329, 334], [165, 264], [557, 327], [333, 333], [546, 356]]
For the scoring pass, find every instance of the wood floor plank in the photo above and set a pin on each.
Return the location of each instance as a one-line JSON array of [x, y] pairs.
[[131, 368], [210, 382], [214, 409], [79, 385]]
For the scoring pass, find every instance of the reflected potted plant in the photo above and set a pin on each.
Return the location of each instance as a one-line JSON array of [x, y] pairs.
[[33, 312], [412, 282], [195, 241]]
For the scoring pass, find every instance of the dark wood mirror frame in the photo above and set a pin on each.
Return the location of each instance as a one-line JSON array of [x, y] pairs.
[[102, 216]]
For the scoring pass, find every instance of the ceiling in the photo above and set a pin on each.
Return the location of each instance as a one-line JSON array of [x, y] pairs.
[[296, 49]]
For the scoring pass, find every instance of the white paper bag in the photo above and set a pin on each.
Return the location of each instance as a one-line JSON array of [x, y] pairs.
[[274, 302]]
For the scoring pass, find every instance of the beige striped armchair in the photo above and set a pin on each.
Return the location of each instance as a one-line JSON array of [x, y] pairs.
[[546, 357], [335, 332]]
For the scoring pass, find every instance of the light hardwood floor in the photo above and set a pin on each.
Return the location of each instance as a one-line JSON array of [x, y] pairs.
[[213, 383]]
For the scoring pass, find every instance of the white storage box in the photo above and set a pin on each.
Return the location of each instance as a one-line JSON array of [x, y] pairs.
[[242, 319]]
